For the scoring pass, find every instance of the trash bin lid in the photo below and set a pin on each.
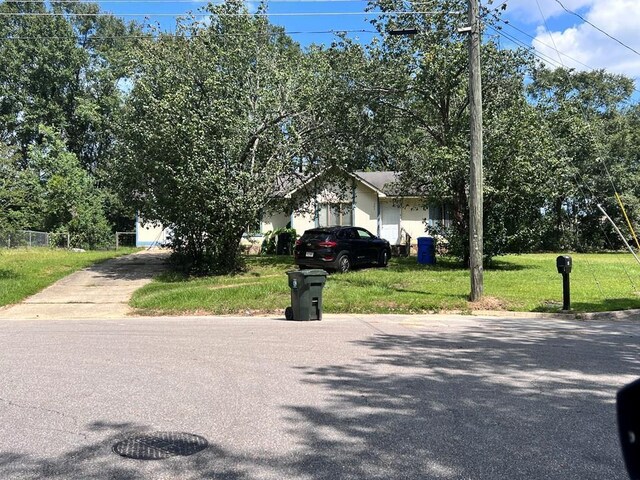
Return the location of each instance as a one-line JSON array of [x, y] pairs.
[[313, 272], [306, 273]]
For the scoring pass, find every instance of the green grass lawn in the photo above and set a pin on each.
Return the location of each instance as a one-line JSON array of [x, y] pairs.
[[516, 282], [25, 271]]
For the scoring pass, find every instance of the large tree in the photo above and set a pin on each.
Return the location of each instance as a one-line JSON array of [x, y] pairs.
[[61, 66], [219, 116], [19, 198], [595, 154], [421, 95]]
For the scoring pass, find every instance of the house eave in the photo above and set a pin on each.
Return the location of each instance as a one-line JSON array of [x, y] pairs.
[[380, 193]]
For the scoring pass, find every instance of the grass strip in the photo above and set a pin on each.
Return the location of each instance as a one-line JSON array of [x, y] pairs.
[[599, 282]]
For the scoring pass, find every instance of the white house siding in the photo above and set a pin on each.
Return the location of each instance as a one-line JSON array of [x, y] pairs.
[[149, 235], [413, 216], [368, 212], [365, 212], [274, 221], [303, 221]]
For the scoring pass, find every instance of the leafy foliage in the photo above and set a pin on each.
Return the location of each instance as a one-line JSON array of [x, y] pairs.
[[271, 239], [593, 154], [61, 72], [218, 117], [17, 192], [419, 92], [70, 201]]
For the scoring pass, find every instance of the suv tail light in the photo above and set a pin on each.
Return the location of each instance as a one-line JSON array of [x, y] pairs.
[[328, 244]]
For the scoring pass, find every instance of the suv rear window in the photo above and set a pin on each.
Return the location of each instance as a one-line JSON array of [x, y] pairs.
[[318, 235]]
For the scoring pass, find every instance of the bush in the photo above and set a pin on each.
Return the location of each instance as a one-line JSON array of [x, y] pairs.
[[270, 241]]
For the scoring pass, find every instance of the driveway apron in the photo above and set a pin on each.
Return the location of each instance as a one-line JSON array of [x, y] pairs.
[[100, 291]]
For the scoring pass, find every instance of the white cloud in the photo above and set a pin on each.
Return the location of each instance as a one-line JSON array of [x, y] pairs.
[[528, 11], [579, 43]]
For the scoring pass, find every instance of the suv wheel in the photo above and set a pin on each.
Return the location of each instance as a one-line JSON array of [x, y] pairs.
[[384, 258], [344, 264]]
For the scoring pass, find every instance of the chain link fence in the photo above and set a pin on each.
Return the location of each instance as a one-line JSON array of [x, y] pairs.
[[32, 238]]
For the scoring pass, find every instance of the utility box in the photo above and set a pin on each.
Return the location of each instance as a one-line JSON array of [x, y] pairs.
[[563, 262], [306, 294]]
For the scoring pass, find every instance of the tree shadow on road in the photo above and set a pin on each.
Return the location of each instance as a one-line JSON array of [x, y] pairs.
[[493, 401], [484, 403], [97, 461]]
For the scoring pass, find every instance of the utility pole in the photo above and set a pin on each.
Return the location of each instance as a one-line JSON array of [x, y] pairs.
[[475, 172], [476, 235]]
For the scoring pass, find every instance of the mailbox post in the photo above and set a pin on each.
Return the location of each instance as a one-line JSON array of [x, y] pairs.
[[564, 264]]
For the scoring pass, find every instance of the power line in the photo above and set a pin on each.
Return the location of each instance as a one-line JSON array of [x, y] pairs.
[[597, 28], [544, 20], [541, 56], [173, 35], [206, 14], [545, 44], [89, 2]]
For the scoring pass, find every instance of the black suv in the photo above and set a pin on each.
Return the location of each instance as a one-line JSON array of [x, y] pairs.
[[340, 248]]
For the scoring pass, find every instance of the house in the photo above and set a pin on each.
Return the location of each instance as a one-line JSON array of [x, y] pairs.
[[374, 203], [370, 200]]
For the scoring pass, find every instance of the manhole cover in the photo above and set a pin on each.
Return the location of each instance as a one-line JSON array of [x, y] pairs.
[[159, 445]]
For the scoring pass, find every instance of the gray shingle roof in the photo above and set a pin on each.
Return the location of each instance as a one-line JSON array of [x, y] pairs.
[[384, 182]]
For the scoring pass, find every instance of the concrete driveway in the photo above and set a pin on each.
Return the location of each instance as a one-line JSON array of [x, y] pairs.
[[351, 397], [100, 291]]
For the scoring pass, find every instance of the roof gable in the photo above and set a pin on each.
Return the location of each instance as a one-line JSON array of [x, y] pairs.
[[384, 183]]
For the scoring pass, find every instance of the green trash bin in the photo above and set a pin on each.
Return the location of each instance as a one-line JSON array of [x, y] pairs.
[[306, 294]]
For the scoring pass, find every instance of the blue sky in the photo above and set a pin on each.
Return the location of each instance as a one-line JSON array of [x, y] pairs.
[[560, 38]]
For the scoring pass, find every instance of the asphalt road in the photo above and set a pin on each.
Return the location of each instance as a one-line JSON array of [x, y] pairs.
[[346, 398]]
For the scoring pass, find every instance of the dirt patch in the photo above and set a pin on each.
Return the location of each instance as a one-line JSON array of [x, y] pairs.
[[488, 303], [142, 312], [385, 304], [233, 285]]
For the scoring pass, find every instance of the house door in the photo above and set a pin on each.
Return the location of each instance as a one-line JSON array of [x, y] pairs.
[[390, 223]]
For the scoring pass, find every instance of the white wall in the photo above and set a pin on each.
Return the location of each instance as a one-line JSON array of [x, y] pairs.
[[149, 235], [413, 216], [274, 221], [303, 221], [365, 213]]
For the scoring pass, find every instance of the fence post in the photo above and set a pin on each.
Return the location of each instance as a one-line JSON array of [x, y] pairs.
[[117, 240], [29, 239]]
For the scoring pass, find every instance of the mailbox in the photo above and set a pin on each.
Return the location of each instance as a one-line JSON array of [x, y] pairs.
[[563, 262]]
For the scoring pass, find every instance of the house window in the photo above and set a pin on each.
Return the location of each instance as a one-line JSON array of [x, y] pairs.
[[335, 214], [439, 215], [435, 215]]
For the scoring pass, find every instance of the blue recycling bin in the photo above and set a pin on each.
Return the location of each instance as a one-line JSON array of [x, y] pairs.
[[426, 250]]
